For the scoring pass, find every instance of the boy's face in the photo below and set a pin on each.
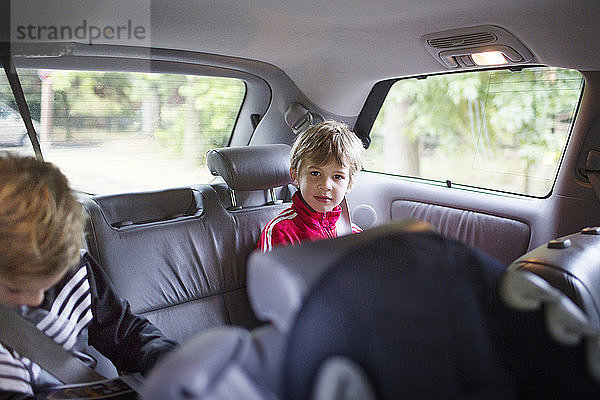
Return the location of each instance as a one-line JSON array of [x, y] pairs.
[[323, 187], [26, 291]]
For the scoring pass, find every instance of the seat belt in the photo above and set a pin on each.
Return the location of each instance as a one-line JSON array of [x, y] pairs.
[[17, 89], [592, 170], [343, 225], [22, 336]]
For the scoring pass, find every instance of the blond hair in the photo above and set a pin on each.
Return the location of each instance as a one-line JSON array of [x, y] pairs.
[[326, 142], [41, 221]]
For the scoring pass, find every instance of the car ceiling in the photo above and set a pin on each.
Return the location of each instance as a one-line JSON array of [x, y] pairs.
[[336, 50]]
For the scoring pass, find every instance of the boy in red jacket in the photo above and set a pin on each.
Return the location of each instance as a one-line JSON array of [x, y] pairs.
[[325, 160]]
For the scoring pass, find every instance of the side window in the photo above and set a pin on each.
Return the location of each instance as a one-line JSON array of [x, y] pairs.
[[498, 130], [122, 131], [13, 133]]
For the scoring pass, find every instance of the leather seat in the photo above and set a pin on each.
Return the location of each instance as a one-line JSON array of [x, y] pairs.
[[402, 310], [179, 255]]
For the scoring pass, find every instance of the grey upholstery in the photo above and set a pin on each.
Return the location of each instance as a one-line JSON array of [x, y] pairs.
[[221, 363], [504, 238], [148, 207], [232, 363], [179, 255], [172, 268], [251, 167], [393, 304]]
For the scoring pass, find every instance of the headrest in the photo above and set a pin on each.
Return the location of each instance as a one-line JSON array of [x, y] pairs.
[[248, 168], [278, 281], [140, 208]]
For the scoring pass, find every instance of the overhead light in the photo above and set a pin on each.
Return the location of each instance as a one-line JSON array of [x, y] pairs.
[[476, 46], [489, 58]]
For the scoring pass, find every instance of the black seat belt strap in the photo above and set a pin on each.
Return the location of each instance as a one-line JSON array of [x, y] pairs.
[[592, 170], [23, 337], [15, 85]]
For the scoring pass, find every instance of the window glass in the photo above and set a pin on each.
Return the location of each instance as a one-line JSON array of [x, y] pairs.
[[113, 132], [13, 133], [498, 130]]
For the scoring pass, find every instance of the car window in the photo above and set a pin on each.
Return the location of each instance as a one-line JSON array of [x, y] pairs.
[[116, 132], [13, 133], [501, 130]]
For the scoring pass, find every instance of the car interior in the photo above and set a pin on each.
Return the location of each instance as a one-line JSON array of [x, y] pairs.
[[477, 274]]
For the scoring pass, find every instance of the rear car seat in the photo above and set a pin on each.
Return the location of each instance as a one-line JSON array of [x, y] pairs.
[[403, 313], [179, 256]]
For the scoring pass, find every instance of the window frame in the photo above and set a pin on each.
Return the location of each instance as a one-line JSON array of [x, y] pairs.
[[254, 104], [256, 99], [374, 102]]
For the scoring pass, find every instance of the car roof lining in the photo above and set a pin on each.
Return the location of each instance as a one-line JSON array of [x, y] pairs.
[[336, 54]]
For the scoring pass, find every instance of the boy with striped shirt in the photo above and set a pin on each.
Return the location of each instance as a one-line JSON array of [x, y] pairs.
[[45, 277]]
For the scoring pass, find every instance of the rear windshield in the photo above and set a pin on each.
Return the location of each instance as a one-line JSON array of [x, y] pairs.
[[113, 132], [498, 130]]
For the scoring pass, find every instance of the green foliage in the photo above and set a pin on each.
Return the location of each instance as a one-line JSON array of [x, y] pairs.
[[516, 121], [178, 110]]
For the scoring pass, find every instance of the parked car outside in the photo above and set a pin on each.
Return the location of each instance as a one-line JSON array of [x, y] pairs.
[[13, 132]]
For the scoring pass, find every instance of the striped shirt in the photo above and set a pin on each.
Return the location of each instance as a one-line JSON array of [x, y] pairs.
[[82, 310]]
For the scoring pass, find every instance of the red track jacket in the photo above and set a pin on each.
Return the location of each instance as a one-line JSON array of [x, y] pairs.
[[299, 223]]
